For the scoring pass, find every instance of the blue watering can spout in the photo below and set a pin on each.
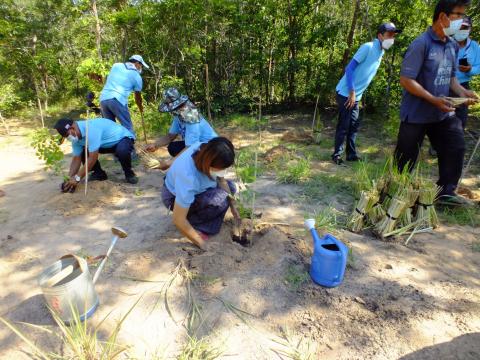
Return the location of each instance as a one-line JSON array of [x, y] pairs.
[[329, 258]]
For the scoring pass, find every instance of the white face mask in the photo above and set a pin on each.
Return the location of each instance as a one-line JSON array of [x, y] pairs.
[[461, 35], [387, 43], [72, 138], [218, 173], [455, 25]]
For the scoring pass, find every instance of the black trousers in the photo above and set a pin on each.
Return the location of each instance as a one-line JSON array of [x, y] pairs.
[[122, 151], [446, 138], [347, 127]]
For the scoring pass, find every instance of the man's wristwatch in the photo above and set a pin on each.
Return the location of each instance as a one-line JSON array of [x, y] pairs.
[[77, 178]]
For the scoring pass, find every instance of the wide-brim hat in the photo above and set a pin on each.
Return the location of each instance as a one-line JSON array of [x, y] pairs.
[[172, 99]]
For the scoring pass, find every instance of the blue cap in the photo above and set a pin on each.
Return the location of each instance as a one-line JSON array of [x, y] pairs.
[[388, 27]]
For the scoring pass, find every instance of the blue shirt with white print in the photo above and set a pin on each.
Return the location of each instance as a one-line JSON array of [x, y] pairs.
[[432, 63], [121, 81], [192, 133], [369, 57]]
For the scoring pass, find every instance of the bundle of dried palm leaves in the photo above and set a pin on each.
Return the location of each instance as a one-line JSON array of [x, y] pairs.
[[426, 214], [364, 206], [148, 160]]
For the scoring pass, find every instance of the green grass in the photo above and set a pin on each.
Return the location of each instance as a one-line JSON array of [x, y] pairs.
[[296, 276], [199, 349], [323, 185], [460, 216], [243, 121], [329, 219], [476, 246], [294, 172]]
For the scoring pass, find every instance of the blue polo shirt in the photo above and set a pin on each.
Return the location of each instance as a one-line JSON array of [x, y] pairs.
[[121, 81], [185, 181], [102, 133], [369, 57], [192, 133], [471, 51], [432, 63]]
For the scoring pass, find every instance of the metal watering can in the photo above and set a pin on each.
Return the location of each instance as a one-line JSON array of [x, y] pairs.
[[68, 287], [329, 258]]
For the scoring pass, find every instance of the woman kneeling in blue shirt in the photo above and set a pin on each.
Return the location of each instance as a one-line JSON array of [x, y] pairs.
[[197, 192]]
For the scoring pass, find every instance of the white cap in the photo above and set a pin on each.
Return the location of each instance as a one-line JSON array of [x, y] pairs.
[[140, 60], [309, 224]]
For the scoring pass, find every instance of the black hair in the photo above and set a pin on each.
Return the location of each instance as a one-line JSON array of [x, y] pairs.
[[218, 153], [447, 6], [134, 61]]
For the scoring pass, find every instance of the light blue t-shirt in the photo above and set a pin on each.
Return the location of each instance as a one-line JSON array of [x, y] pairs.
[[471, 51], [121, 81], [185, 181], [102, 133], [368, 56], [193, 133]]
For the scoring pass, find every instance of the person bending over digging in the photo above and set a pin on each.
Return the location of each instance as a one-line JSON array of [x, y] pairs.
[[358, 74], [187, 122], [427, 76], [104, 136], [196, 191]]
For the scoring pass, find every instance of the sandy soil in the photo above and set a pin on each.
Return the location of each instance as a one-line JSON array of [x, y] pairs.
[[415, 302]]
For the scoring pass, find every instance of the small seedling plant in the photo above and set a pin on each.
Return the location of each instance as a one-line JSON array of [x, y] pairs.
[[47, 149]]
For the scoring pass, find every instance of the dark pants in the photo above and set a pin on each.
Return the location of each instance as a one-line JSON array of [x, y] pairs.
[[462, 110], [112, 108], [122, 151], [207, 211], [446, 138], [175, 147], [347, 127]]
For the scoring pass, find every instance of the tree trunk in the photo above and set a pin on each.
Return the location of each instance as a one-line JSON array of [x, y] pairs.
[[351, 34], [35, 82], [292, 52], [207, 94], [98, 35]]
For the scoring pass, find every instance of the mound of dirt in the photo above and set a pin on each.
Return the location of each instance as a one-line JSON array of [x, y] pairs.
[[299, 136]]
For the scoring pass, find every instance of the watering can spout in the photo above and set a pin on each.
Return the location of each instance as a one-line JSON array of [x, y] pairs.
[[310, 226]]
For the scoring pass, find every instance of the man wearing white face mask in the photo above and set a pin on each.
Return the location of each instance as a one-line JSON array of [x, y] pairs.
[[427, 76], [121, 81], [358, 75], [468, 62]]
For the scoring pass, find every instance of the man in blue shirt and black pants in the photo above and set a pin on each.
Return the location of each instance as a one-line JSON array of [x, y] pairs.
[[427, 76], [358, 75], [121, 81], [468, 62], [104, 137]]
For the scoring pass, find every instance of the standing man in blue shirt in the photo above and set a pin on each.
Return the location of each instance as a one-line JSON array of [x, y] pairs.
[[427, 76], [468, 62], [104, 137], [358, 75], [188, 122], [121, 81]]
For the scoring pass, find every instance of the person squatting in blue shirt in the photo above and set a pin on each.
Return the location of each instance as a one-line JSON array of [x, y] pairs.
[[121, 81], [196, 191], [468, 62], [427, 76], [188, 122], [104, 136], [358, 75]]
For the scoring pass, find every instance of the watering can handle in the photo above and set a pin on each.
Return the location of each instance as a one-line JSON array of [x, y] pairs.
[[55, 279]]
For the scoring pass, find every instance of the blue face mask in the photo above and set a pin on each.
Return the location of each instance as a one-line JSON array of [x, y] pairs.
[[455, 25], [461, 35]]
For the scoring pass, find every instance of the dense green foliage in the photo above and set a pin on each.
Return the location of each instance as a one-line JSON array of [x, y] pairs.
[[277, 52]]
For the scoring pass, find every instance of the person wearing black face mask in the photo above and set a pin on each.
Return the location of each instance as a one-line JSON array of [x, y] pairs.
[[188, 122], [427, 76]]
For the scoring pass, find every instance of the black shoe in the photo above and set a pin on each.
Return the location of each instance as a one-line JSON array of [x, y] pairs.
[[354, 158], [131, 179], [98, 176], [453, 200], [337, 160]]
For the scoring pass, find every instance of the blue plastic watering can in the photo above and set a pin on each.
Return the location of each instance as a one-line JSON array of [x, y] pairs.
[[329, 258]]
